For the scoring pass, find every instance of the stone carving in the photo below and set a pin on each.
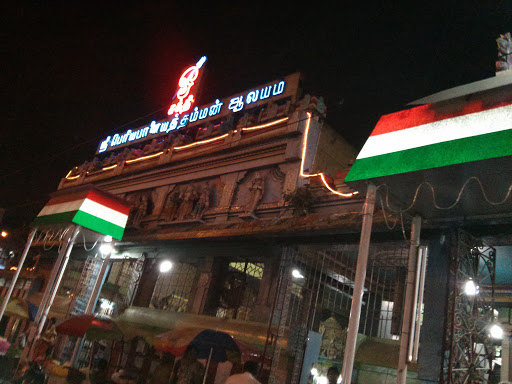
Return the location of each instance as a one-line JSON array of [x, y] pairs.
[[141, 205], [202, 203], [188, 196], [257, 189], [504, 61], [245, 121], [172, 205]]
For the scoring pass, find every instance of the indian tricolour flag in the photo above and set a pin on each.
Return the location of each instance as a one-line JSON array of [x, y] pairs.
[[89, 208], [432, 136]]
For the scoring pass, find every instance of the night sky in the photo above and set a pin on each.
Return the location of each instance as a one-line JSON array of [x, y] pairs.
[[75, 72]]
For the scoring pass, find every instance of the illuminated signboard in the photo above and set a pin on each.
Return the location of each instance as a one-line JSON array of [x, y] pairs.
[[220, 108], [185, 84]]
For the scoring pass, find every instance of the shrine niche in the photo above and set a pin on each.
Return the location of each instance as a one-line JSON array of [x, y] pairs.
[[333, 339], [142, 206]]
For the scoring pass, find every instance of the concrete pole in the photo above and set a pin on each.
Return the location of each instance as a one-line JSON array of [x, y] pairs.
[[407, 320], [16, 275], [357, 296]]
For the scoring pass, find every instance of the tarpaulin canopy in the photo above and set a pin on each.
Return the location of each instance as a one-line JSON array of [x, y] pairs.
[[144, 320]]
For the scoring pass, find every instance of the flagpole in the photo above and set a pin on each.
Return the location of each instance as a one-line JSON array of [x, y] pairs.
[[359, 280], [18, 271]]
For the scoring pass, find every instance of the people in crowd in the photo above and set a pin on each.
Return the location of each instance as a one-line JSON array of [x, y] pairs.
[[332, 375], [188, 370], [163, 371], [248, 376]]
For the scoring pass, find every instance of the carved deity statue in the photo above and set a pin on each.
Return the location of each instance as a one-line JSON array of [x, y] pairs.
[[173, 204], [141, 210], [188, 196], [202, 203], [257, 188]]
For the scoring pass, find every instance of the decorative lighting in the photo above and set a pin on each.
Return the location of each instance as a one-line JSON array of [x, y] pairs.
[[144, 158], [265, 125], [321, 174], [470, 288], [201, 142], [165, 266], [4, 234], [69, 177], [296, 273], [496, 332]]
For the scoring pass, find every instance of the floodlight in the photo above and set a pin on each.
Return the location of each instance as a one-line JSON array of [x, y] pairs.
[[470, 288], [496, 331], [165, 266], [296, 273]]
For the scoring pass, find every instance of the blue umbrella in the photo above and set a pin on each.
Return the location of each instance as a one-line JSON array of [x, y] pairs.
[[215, 342]]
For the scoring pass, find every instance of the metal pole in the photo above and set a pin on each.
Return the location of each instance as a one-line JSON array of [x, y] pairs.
[[357, 295], [403, 357], [53, 292], [51, 288], [16, 275]]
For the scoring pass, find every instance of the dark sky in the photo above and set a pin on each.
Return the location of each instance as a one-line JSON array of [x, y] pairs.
[[75, 71]]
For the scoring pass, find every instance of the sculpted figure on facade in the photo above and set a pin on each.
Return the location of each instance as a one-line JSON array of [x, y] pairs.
[[504, 61], [188, 196], [257, 188], [141, 210], [202, 203], [173, 203]]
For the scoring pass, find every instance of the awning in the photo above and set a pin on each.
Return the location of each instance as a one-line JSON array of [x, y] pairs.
[[59, 308], [381, 353]]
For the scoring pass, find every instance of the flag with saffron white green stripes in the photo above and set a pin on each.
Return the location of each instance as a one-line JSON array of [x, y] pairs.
[[90, 208], [434, 135]]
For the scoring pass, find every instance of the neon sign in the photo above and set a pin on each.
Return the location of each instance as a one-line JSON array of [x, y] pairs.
[[185, 84], [179, 120]]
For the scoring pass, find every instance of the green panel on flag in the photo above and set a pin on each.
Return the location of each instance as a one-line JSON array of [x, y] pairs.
[[459, 151], [99, 225], [58, 218]]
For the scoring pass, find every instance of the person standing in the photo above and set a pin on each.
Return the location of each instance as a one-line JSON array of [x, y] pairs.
[[250, 370], [188, 369], [332, 375]]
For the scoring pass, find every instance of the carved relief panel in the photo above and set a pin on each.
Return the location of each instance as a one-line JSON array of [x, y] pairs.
[[190, 201], [142, 206], [259, 188]]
